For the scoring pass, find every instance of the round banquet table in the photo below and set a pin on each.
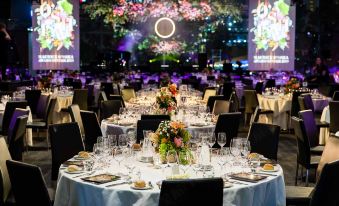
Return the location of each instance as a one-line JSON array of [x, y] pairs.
[[108, 128], [279, 105], [73, 191], [324, 133]]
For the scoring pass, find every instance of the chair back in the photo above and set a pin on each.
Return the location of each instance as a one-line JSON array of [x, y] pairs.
[[42, 107], [220, 107], [5, 186], [28, 184], [211, 100], [311, 128], [9, 110], [76, 84], [234, 102], [50, 109], [229, 124], [326, 190], [107, 88], [308, 103], [148, 124], [68, 82], [259, 87], [264, 139], [16, 136], [32, 97], [228, 88], [335, 96], [251, 100], [128, 93], [255, 116], [334, 114], [108, 108], [303, 153], [74, 112], [155, 116], [91, 128], [270, 83], [295, 107], [118, 97], [66, 142], [209, 91], [192, 192], [80, 97]]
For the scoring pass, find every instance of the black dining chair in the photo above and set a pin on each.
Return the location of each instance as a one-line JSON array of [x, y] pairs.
[[155, 116], [74, 111], [228, 88], [234, 102], [259, 86], [334, 116], [9, 110], [107, 87], [16, 133], [228, 123], [80, 97], [91, 128], [32, 98], [192, 192], [42, 107], [66, 142], [117, 97], [304, 156], [326, 190], [305, 102], [270, 83], [42, 124], [148, 124], [312, 131], [251, 102], [335, 96], [5, 183], [109, 107], [28, 184], [264, 139], [212, 99]]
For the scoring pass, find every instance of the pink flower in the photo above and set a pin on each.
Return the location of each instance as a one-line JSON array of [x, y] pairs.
[[178, 142]]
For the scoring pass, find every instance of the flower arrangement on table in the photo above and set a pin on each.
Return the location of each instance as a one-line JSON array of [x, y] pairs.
[[165, 100], [292, 84], [171, 136]]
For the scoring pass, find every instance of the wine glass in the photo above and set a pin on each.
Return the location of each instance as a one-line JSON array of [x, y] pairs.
[[235, 146], [222, 157], [184, 160], [122, 141], [211, 140], [118, 155], [221, 139]]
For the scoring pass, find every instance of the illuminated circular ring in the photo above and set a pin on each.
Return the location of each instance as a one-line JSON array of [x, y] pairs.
[[156, 27]]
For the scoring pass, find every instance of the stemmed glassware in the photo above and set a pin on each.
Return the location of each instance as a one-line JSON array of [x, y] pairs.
[[211, 140], [171, 158], [221, 139], [185, 161]]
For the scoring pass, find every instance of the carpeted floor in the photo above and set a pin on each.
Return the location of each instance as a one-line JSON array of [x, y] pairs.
[[286, 157]]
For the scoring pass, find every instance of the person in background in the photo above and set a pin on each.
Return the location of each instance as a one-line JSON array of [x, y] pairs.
[[5, 39], [320, 72]]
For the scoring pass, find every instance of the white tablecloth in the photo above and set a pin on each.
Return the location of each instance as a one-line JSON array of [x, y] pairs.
[[73, 191], [279, 106], [58, 115], [324, 133]]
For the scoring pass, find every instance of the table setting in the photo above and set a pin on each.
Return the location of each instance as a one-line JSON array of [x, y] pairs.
[[121, 172]]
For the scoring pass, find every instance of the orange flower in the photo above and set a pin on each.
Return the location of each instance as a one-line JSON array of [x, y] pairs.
[[177, 125]]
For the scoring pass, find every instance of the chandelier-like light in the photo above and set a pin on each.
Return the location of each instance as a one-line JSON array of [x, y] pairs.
[[160, 33]]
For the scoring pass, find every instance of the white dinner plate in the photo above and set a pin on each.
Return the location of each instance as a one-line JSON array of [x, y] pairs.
[[77, 157], [274, 170], [228, 184], [143, 188], [75, 172]]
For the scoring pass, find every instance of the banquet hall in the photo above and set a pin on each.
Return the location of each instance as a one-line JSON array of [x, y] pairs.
[[169, 103]]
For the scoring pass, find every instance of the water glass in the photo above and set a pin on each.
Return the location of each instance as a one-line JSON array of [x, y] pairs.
[[221, 139]]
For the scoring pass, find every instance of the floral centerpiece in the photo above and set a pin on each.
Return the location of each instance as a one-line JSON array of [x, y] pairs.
[[171, 136], [292, 84], [166, 99]]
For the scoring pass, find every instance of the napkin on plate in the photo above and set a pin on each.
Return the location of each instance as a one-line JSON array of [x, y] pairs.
[[337, 134]]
